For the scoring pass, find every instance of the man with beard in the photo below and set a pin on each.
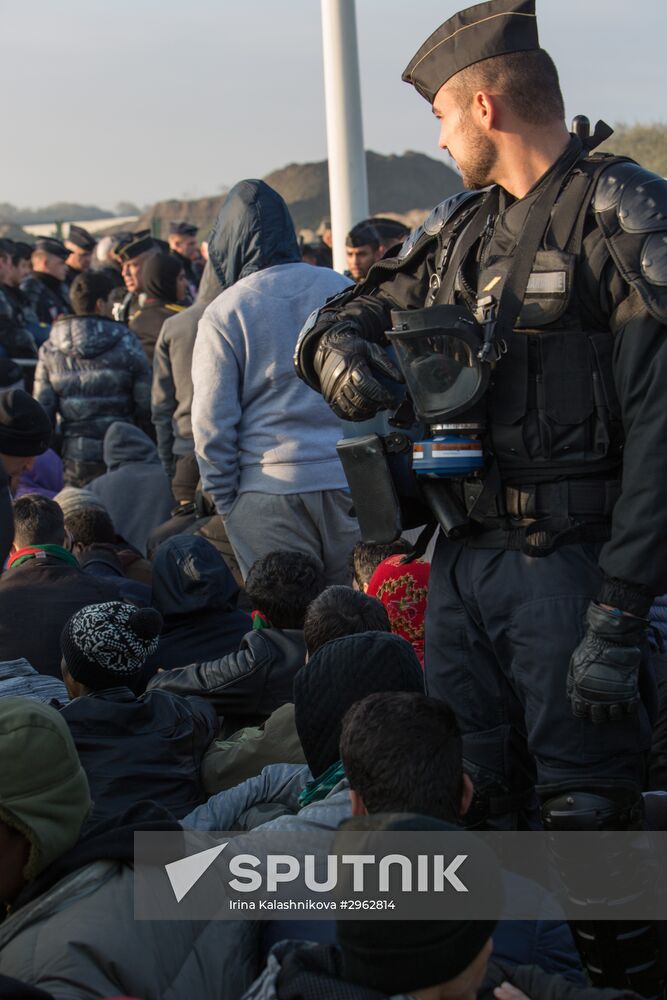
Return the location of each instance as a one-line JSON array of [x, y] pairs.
[[45, 288], [81, 245], [549, 276], [183, 245], [133, 251], [362, 249]]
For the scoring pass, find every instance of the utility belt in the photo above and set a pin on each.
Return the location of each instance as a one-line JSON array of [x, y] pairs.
[[538, 518]]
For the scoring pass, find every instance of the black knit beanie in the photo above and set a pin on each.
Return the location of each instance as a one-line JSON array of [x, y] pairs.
[[340, 673], [395, 956], [106, 645], [25, 428]]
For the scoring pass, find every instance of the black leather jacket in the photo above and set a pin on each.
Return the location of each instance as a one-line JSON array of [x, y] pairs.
[[244, 687]]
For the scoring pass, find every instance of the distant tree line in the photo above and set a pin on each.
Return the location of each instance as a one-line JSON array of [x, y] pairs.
[[61, 211], [645, 143]]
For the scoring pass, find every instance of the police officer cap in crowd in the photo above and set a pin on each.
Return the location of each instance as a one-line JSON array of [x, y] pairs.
[[81, 238], [182, 229], [48, 244], [363, 234], [480, 32], [134, 244], [22, 251], [389, 230]]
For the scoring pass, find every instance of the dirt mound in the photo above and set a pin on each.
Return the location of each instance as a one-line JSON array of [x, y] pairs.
[[399, 185]]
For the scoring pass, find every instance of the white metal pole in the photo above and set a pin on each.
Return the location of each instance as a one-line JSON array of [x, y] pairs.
[[348, 185]]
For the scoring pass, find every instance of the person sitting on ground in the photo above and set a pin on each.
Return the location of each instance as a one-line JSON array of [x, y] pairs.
[[166, 292], [73, 499], [248, 685], [135, 489], [45, 477], [423, 959], [99, 553], [19, 679], [403, 753], [341, 672], [91, 372], [42, 586], [196, 594], [338, 611], [70, 925], [341, 611], [403, 589], [25, 432], [373, 959], [367, 556], [132, 748]]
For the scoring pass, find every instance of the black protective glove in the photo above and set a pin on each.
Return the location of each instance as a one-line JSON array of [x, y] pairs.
[[344, 363], [602, 682]]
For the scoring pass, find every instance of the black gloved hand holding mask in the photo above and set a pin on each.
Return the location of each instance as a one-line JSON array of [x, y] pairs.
[[346, 366]]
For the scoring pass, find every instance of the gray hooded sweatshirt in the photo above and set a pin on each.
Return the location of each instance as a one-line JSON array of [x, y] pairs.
[[256, 426], [135, 489]]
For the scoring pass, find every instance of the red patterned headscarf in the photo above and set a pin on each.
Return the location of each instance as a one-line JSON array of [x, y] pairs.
[[403, 590]]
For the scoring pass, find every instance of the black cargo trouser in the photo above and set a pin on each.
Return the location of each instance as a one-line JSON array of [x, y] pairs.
[[500, 629]]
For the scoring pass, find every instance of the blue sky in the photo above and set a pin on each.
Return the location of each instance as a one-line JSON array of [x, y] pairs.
[[150, 99]]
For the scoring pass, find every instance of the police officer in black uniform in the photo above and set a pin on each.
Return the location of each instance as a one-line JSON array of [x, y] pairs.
[[552, 274], [81, 245], [45, 287], [18, 324], [132, 251]]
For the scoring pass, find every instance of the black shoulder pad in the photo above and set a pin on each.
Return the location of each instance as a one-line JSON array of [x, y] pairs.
[[630, 204], [434, 222]]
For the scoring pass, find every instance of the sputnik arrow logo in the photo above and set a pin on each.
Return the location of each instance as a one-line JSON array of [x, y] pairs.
[[186, 872]]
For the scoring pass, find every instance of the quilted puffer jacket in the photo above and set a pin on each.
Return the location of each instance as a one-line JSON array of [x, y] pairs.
[[92, 372]]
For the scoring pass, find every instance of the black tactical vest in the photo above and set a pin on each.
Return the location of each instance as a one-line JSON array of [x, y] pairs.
[[552, 408]]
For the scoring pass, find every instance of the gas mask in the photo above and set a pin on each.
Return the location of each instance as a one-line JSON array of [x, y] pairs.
[[447, 355]]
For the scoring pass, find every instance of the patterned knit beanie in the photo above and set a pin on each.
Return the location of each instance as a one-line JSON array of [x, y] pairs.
[[403, 589], [106, 645]]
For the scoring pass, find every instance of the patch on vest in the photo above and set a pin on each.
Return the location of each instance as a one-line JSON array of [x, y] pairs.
[[547, 283]]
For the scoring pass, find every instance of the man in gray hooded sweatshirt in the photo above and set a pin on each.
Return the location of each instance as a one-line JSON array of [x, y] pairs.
[[266, 446]]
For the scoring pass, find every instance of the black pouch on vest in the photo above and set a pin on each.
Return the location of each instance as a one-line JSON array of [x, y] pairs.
[[376, 503]]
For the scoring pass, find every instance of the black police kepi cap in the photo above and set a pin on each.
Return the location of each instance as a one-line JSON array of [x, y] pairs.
[[81, 238], [134, 244], [480, 32], [48, 244]]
